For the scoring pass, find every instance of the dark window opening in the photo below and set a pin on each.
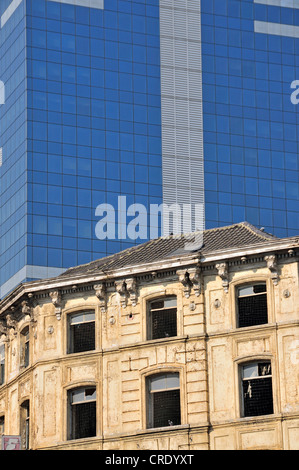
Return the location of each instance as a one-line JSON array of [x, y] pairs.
[[162, 318], [82, 404], [2, 364], [25, 424], [82, 332], [25, 347], [252, 305], [257, 389], [2, 424], [164, 408]]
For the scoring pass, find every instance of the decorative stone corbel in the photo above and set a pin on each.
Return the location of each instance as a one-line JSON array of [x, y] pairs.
[[27, 309], [3, 328], [121, 289], [272, 266], [184, 279], [57, 302], [11, 322], [194, 277], [222, 269], [101, 293], [131, 285]]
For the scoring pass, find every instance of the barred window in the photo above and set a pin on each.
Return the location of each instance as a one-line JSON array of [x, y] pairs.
[[257, 389], [25, 347], [2, 364], [81, 332], [163, 400], [2, 424], [162, 318], [252, 305], [25, 424], [82, 412]]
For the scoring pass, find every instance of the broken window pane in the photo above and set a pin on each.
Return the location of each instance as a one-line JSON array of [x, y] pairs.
[[163, 318], [82, 404], [82, 332], [164, 408], [257, 389], [252, 305]]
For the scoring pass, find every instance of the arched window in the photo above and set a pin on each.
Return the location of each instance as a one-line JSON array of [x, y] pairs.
[[81, 331], [252, 305], [82, 413], [163, 400], [162, 318], [256, 389], [25, 347]]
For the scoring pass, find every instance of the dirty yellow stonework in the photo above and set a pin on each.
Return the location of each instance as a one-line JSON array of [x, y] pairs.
[[39, 369]]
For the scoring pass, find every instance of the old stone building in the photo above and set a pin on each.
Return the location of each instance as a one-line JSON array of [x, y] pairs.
[[158, 348]]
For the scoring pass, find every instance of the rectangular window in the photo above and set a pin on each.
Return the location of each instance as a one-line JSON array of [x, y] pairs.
[[2, 422], [82, 413], [164, 407], [162, 318], [82, 332], [25, 424], [2, 364], [252, 305], [257, 389], [25, 347]]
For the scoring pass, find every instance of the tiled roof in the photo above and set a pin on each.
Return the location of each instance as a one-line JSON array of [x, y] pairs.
[[233, 236]]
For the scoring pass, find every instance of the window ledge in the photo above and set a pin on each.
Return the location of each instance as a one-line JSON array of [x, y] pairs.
[[180, 427]]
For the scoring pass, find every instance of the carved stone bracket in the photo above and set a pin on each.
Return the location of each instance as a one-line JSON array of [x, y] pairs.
[[184, 279], [11, 323], [3, 328], [101, 293], [132, 290], [127, 288], [190, 278], [222, 269], [194, 277], [57, 302], [272, 266], [121, 289], [27, 309]]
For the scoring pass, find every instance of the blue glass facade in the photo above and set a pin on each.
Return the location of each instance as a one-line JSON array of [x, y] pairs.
[[13, 179], [82, 122], [250, 124], [90, 128]]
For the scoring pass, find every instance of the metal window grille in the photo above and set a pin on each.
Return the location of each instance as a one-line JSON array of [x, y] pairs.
[[164, 408], [252, 305], [83, 413], [2, 423], [2, 364], [25, 424], [257, 390], [163, 318], [82, 332]]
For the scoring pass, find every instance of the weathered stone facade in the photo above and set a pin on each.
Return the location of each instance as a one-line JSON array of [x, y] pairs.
[[207, 352]]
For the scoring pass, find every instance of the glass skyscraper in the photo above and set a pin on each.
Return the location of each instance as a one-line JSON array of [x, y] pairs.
[[185, 102]]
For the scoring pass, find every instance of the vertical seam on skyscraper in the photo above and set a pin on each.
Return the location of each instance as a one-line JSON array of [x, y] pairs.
[[181, 104]]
